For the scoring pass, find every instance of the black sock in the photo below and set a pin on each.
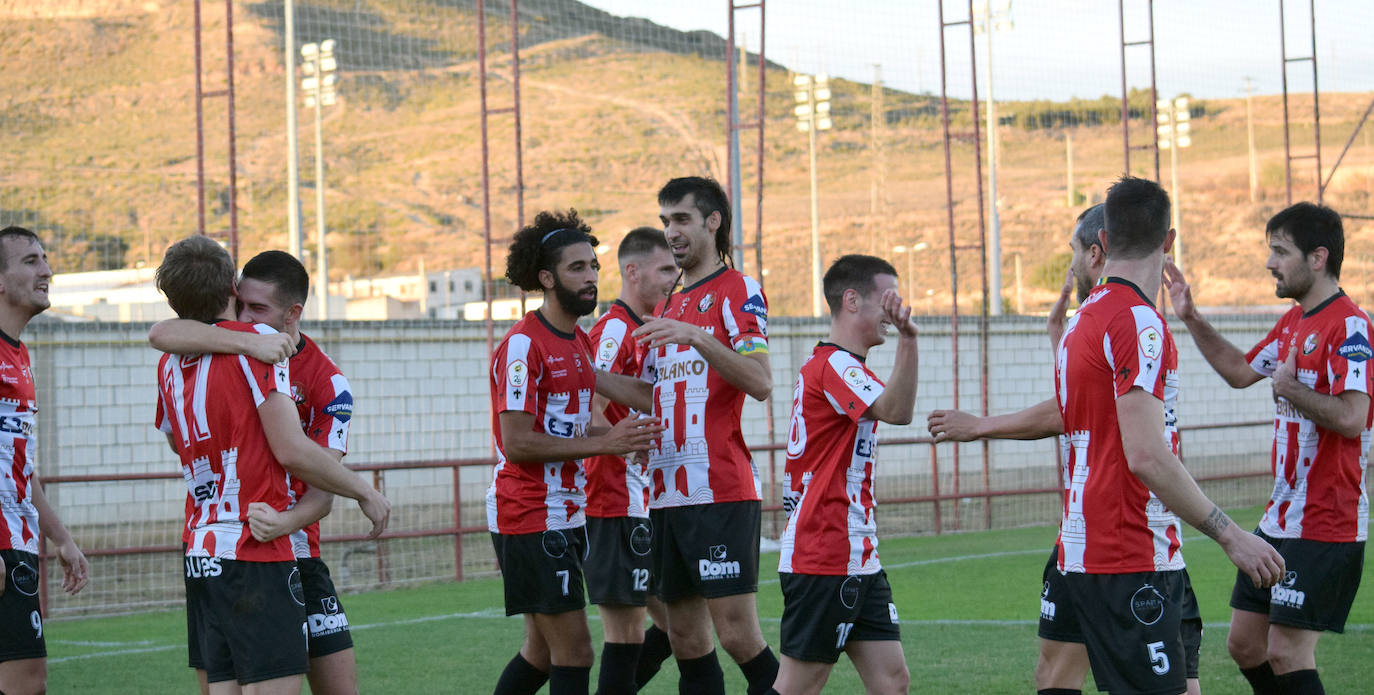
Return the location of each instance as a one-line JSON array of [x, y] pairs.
[[569, 680], [520, 678], [760, 671], [1304, 682], [618, 662], [1059, 691], [1261, 679], [701, 676], [655, 650]]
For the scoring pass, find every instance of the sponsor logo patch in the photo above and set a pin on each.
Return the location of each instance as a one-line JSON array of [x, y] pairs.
[[640, 539], [849, 592], [1147, 605], [755, 306], [197, 567], [293, 583], [1355, 348], [1286, 593], [608, 349], [555, 543], [516, 373], [25, 578], [718, 566], [1151, 343], [341, 408]]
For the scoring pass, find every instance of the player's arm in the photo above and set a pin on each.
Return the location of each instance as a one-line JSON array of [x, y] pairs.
[[522, 443], [1343, 413], [751, 373], [1055, 323], [312, 463], [897, 403], [172, 442], [75, 568], [1036, 422], [1225, 358], [188, 337], [1141, 419], [625, 390], [268, 524]]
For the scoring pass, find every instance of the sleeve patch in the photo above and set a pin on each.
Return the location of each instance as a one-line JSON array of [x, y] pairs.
[[855, 377], [608, 350], [1151, 343], [752, 346], [516, 373], [1355, 348], [341, 408], [756, 306]]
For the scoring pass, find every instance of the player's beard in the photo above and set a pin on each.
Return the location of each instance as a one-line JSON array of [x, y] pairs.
[[571, 301], [1293, 285], [1084, 285]]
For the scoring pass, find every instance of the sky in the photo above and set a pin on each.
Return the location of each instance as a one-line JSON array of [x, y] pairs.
[[1054, 49]]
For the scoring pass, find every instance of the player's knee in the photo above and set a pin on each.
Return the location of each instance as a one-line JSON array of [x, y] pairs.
[[898, 679], [1244, 650]]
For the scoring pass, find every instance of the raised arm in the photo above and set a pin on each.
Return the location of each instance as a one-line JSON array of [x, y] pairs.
[[751, 373], [1055, 323], [1036, 422], [1141, 419], [523, 444], [1225, 358], [187, 337], [310, 462], [75, 568], [897, 402]]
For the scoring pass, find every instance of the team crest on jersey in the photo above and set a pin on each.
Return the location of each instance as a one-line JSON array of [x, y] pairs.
[[1310, 344], [1147, 605], [706, 303], [855, 377], [1151, 343], [516, 373], [608, 349], [1355, 348], [341, 408], [297, 394]]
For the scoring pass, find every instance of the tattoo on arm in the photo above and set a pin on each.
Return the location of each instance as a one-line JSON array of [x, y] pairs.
[[1215, 523]]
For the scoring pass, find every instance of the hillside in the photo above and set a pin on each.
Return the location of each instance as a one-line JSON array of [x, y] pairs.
[[99, 123]]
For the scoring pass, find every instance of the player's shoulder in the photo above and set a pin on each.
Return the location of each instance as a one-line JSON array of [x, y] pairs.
[[244, 327], [311, 357]]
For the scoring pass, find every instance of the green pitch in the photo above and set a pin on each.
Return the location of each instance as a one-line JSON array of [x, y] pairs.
[[968, 603]]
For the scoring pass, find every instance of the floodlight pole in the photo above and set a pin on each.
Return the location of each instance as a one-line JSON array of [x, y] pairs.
[[321, 255], [293, 177]]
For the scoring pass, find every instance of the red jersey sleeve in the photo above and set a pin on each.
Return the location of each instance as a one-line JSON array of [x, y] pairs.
[[848, 383], [517, 369], [1134, 346], [745, 314], [1264, 357], [329, 421], [1347, 362]]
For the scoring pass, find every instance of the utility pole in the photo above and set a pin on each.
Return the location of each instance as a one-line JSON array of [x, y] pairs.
[[293, 176], [877, 200], [1250, 135], [813, 114], [1068, 169], [319, 84], [1173, 129], [993, 18]]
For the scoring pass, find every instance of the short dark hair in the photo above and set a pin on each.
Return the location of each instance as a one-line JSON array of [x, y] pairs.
[[197, 276], [1089, 223], [641, 241], [708, 197], [852, 272], [20, 232], [539, 246], [283, 272], [1136, 216], [1311, 227]]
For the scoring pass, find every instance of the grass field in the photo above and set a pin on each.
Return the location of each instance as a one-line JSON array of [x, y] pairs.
[[968, 604]]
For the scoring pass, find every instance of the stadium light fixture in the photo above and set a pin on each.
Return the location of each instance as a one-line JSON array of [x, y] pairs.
[[910, 253], [1175, 132]]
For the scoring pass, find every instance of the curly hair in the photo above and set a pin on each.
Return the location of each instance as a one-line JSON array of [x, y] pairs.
[[539, 246]]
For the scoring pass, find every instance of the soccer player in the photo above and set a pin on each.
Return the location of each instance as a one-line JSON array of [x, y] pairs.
[[708, 347], [1119, 545], [542, 380], [272, 291], [836, 597], [619, 534], [232, 421], [1063, 662], [1317, 357], [24, 276]]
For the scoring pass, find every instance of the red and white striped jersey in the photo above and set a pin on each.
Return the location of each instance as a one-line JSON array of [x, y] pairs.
[[18, 405], [1319, 475], [702, 457], [325, 405], [615, 488], [547, 373], [832, 527], [209, 404], [1112, 523]]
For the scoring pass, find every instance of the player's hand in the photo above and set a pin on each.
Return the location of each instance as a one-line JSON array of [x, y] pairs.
[[952, 426], [897, 314], [657, 332], [75, 568], [1255, 557], [377, 508], [1285, 378], [271, 347], [1055, 323], [633, 434], [1180, 293], [266, 523]]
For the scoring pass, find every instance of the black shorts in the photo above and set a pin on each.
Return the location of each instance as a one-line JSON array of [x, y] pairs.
[[618, 560], [1318, 587], [21, 620], [707, 550], [245, 620], [542, 572], [823, 614], [325, 620], [1132, 627]]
